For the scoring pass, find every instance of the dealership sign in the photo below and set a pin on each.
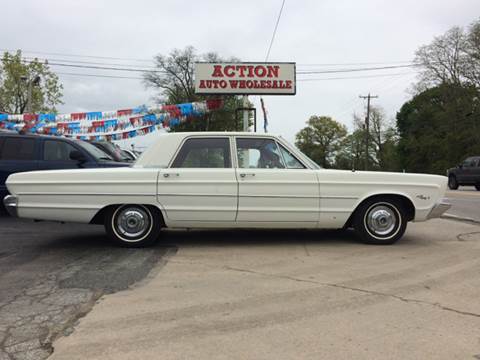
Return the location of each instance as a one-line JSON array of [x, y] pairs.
[[245, 78]]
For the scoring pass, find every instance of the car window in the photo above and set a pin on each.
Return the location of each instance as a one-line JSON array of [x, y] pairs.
[[94, 151], [204, 153], [17, 148], [290, 161], [258, 153], [469, 162], [57, 150]]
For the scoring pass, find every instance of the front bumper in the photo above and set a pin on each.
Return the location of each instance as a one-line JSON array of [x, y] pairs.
[[439, 209], [11, 202]]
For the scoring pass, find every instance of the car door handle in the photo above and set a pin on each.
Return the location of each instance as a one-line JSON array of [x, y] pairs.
[[244, 175], [167, 175]]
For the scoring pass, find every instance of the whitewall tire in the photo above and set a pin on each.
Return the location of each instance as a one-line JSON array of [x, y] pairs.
[[380, 221], [133, 225]]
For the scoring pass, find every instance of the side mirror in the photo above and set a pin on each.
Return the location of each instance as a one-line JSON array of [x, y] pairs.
[[460, 165], [77, 156]]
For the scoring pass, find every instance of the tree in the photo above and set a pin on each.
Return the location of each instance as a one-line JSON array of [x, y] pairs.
[[453, 58], [321, 139], [383, 141], [351, 154], [17, 77], [174, 80], [438, 128]]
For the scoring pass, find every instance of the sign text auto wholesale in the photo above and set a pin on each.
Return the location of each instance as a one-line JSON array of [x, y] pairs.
[[245, 78]]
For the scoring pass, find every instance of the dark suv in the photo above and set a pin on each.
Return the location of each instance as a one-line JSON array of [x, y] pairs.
[[466, 173], [20, 153]]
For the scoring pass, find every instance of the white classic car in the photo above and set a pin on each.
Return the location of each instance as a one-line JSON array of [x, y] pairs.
[[227, 180]]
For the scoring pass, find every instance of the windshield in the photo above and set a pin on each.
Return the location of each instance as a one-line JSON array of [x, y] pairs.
[[304, 157], [94, 151], [114, 150]]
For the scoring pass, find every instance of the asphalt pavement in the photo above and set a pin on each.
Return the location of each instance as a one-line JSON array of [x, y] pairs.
[[296, 295], [52, 274], [465, 202]]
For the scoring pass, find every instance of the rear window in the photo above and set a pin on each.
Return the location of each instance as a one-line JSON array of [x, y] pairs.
[[17, 148]]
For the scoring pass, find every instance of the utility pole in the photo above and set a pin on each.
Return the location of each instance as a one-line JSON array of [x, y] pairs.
[[245, 113], [30, 84], [367, 125]]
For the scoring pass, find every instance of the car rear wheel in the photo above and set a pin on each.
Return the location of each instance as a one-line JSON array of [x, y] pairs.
[[133, 225], [477, 186], [380, 221], [452, 182]]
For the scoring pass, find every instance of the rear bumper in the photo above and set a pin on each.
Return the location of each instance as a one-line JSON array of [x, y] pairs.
[[11, 203], [439, 209]]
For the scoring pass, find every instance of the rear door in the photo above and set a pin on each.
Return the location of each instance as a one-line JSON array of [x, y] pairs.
[[17, 154], [55, 154], [274, 186], [200, 184]]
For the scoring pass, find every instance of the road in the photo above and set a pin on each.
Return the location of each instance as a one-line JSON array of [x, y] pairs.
[[465, 202], [296, 295], [52, 274]]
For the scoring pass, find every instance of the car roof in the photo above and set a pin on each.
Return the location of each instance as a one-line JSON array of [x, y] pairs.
[[36, 136]]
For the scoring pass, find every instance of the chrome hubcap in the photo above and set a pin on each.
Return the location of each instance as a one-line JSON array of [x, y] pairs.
[[133, 222], [381, 220]]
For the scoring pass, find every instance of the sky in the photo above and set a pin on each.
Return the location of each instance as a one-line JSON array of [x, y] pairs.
[[314, 34]]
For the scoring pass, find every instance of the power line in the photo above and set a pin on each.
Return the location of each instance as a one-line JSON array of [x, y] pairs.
[[85, 62], [100, 76], [356, 69], [298, 72], [98, 67], [357, 63], [358, 77], [76, 55], [275, 31]]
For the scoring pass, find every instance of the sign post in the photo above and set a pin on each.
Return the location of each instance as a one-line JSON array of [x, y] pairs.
[[245, 79]]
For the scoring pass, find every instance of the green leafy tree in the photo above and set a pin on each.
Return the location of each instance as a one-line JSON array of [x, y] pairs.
[[173, 77], [17, 77], [438, 128], [321, 139]]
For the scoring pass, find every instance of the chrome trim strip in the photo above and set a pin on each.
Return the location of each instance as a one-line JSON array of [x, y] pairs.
[[83, 194], [246, 210], [28, 206], [339, 197], [358, 183], [97, 182]]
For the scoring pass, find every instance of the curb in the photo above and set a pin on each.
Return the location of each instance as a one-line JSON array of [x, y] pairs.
[[459, 218]]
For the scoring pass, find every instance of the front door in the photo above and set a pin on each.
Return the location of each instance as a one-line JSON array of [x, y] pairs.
[[200, 184], [274, 186]]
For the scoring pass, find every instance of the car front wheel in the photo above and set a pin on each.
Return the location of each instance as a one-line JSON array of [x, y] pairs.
[[133, 225], [452, 182], [380, 222]]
